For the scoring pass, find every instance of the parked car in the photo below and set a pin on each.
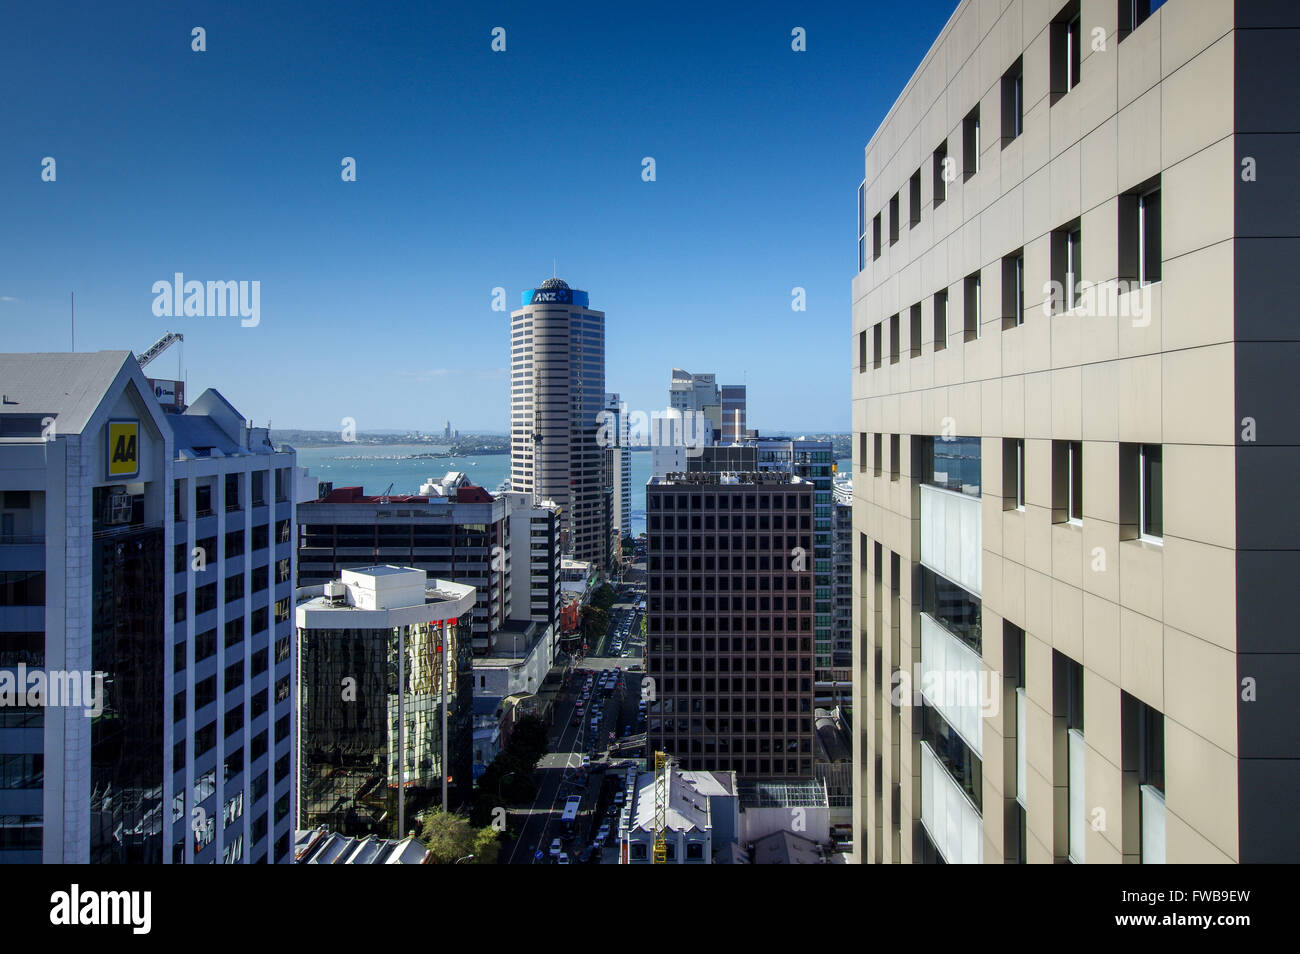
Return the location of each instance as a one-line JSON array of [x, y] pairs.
[[563, 859], [556, 848]]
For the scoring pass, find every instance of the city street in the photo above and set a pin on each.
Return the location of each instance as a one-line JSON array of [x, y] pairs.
[[560, 773]]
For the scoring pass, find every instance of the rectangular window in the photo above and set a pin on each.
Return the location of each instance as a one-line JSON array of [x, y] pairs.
[[203, 500], [1134, 13], [862, 226], [953, 463], [875, 345], [893, 339], [1151, 492], [1067, 712], [972, 319], [940, 174], [862, 351], [1066, 252], [876, 453], [862, 452], [894, 468], [914, 332], [914, 199], [1139, 234], [1141, 492], [1067, 481], [941, 320], [875, 237], [1013, 106], [1013, 289], [1148, 215], [1063, 50], [1013, 473], [893, 219], [970, 143], [259, 488], [232, 491]]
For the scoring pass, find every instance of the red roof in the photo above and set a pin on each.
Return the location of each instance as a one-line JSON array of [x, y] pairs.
[[467, 494], [356, 495]]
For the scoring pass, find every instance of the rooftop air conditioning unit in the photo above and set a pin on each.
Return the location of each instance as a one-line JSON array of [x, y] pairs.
[[336, 593]]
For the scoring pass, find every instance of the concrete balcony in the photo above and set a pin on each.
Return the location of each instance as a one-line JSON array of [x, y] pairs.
[[952, 536]]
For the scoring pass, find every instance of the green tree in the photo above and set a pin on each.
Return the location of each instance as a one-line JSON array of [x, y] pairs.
[[604, 597], [487, 845], [447, 836], [594, 623], [451, 838]]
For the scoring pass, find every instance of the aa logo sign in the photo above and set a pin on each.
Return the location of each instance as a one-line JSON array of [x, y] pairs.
[[123, 449]]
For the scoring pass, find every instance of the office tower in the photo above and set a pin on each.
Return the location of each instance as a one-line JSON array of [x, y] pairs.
[[386, 688], [733, 413], [696, 392], [1070, 272], [729, 621], [557, 389], [155, 549], [618, 465], [813, 461], [452, 529]]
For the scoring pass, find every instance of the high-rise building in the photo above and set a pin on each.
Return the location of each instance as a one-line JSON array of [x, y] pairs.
[[453, 530], [1079, 633], [557, 391], [387, 699], [618, 465], [533, 558], [733, 413], [147, 563], [729, 622], [813, 461]]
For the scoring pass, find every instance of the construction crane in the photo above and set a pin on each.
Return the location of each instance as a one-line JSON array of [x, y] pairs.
[[158, 347], [661, 808]]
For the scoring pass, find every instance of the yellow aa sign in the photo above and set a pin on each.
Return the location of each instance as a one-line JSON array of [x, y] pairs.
[[123, 446]]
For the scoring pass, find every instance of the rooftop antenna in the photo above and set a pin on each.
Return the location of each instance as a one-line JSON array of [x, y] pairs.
[[553, 268]]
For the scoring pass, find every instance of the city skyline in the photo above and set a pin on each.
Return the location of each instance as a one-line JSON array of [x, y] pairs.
[[469, 178]]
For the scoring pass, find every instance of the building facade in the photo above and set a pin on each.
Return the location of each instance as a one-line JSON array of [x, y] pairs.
[[729, 622], [618, 465], [385, 699], [1071, 362], [453, 530], [557, 391], [145, 556]]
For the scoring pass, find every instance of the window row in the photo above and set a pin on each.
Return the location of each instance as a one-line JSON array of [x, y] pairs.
[[1065, 46]]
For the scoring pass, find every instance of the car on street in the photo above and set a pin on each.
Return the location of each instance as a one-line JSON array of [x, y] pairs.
[[556, 848], [563, 859]]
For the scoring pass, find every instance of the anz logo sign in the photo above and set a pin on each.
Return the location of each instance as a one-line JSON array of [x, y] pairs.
[[122, 443], [555, 296]]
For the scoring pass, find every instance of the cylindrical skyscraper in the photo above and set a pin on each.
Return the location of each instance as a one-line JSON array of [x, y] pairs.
[[557, 390]]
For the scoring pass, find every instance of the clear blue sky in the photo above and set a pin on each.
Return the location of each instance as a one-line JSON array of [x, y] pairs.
[[474, 170]]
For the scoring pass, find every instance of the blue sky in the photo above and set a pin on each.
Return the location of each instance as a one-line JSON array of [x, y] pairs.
[[474, 170]]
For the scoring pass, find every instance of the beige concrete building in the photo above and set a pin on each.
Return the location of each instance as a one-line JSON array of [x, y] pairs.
[[1075, 533]]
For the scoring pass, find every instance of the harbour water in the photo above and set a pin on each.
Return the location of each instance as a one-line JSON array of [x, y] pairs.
[[376, 466]]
